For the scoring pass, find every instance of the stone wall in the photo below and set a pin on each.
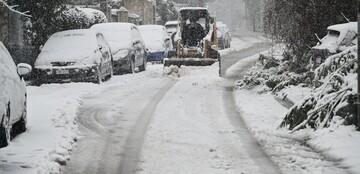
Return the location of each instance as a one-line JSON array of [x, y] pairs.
[[144, 8], [4, 25], [12, 36]]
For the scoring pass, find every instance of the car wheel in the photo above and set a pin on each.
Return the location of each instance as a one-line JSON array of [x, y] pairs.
[[5, 128], [111, 71], [131, 66], [20, 126], [143, 66]]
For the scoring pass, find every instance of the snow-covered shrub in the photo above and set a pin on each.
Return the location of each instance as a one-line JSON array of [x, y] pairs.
[[335, 89], [79, 18], [274, 73]]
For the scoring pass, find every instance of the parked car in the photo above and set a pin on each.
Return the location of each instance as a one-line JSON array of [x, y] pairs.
[[157, 42], [74, 55], [224, 35], [171, 27], [12, 96], [338, 38], [127, 45]]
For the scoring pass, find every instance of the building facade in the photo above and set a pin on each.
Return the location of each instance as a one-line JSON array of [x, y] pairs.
[[144, 8]]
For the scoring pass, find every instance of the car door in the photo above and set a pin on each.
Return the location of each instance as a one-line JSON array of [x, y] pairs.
[[13, 89], [138, 45], [105, 51]]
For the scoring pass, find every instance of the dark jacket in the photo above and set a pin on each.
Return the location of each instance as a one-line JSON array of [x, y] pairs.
[[192, 35]]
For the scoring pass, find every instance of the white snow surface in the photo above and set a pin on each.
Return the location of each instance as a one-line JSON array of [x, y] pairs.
[[154, 37], [118, 35], [238, 44], [263, 115], [197, 139]]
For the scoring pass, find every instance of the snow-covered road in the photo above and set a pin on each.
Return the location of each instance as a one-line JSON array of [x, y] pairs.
[[113, 123], [149, 122]]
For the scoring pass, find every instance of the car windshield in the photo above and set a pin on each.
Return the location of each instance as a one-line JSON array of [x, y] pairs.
[[70, 41], [333, 33]]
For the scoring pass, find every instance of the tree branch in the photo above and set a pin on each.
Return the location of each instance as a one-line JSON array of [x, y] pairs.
[[11, 8]]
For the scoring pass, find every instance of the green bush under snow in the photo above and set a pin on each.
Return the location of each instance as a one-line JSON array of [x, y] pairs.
[[334, 85]]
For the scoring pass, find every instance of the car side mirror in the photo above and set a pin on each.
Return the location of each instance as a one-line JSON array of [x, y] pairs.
[[167, 39], [23, 69], [100, 47], [136, 42], [212, 19], [41, 47]]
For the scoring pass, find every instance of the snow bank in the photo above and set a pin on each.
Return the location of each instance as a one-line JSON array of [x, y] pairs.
[[331, 150]]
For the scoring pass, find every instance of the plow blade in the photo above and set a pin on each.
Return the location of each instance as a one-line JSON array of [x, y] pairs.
[[189, 61]]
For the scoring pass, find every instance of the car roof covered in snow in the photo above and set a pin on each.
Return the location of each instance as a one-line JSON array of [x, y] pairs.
[[118, 34], [172, 23], [353, 26], [113, 24], [193, 8], [153, 36], [153, 27]]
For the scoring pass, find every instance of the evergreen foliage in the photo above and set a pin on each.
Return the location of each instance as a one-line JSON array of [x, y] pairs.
[[334, 93], [43, 13], [295, 22], [165, 11]]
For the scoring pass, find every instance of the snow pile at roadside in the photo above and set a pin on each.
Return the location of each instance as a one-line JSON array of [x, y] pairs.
[[52, 128], [294, 93], [57, 111], [263, 115]]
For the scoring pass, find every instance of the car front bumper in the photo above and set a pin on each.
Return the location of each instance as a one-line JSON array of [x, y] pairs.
[[67, 74]]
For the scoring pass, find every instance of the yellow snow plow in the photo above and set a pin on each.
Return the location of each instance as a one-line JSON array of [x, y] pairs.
[[195, 41]]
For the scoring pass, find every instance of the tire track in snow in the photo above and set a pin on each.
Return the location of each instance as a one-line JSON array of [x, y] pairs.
[[136, 138], [250, 144]]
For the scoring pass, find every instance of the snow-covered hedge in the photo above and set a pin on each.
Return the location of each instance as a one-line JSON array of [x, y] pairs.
[[78, 18], [334, 94], [274, 73], [333, 84]]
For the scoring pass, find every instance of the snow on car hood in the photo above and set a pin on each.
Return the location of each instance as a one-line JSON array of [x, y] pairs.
[[118, 35], [77, 46], [153, 37], [332, 41]]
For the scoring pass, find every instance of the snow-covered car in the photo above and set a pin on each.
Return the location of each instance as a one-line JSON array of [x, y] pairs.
[[224, 35], [171, 27], [12, 96], [127, 46], [338, 38], [74, 55], [157, 42]]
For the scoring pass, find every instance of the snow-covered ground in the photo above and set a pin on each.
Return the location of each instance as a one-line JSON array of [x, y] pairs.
[[52, 128], [199, 138], [238, 44], [330, 150]]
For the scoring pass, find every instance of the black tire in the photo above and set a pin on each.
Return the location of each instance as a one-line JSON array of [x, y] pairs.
[[111, 74], [131, 69], [99, 78], [143, 66], [5, 128], [20, 126]]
